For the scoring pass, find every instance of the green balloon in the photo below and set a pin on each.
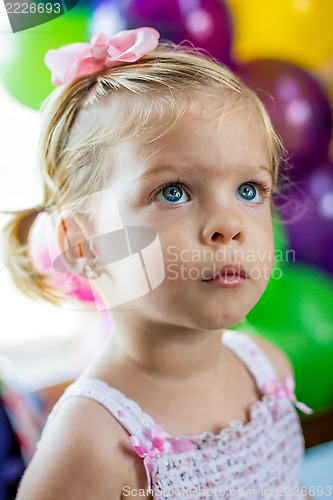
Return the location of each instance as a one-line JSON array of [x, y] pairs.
[[280, 234], [280, 241], [24, 73], [295, 313]]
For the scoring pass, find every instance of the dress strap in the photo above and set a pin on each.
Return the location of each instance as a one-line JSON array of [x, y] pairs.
[[252, 356], [125, 410], [262, 369]]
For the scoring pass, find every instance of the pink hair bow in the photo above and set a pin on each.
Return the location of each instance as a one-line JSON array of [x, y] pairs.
[[78, 59], [159, 445], [284, 390]]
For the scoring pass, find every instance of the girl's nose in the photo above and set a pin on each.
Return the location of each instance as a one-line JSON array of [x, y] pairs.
[[223, 226]]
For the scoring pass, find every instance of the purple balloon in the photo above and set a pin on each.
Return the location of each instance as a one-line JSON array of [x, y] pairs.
[[308, 210], [106, 17], [205, 23], [299, 109]]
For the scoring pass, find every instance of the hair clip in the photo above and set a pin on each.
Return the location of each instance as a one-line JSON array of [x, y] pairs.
[[79, 59]]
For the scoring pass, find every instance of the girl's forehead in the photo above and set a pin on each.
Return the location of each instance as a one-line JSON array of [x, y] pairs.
[[144, 133], [238, 125], [214, 115], [233, 141]]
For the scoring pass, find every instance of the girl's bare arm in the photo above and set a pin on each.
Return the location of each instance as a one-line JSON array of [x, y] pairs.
[[78, 457]]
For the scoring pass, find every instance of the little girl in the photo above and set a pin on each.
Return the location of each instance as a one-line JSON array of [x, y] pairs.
[[163, 139]]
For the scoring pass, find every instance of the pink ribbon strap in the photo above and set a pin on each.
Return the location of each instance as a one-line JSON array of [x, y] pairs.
[[160, 444], [284, 390], [78, 59]]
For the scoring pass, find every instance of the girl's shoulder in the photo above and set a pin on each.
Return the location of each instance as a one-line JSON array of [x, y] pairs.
[[84, 453], [278, 358]]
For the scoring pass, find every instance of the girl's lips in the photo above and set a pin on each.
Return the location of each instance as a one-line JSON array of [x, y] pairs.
[[230, 275], [227, 281]]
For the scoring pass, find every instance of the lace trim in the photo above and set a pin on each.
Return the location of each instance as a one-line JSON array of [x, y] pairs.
[[260, 411]]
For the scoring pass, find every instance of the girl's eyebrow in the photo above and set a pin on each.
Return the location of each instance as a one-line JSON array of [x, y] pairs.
[[160, 168], [186, 168]]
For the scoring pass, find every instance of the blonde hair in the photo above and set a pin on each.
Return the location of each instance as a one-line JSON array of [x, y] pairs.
[[143, 99]]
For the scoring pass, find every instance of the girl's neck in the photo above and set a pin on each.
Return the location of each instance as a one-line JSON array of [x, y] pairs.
[[166, 354]]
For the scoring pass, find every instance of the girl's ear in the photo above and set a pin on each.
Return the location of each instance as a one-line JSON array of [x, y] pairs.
[[74, 244]]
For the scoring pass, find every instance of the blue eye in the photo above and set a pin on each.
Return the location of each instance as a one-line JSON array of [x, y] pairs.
[[248, 192], [172, 194]]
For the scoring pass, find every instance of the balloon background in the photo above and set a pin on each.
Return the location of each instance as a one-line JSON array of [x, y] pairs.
[[24, 73], [299, 109], [284, 51]]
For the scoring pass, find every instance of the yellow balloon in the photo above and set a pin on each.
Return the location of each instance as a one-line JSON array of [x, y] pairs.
[[298, 31]]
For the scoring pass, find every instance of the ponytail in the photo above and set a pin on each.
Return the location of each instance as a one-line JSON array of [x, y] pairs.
[[16, 256]]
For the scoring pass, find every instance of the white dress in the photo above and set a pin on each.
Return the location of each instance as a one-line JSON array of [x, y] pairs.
[[259, 459]]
